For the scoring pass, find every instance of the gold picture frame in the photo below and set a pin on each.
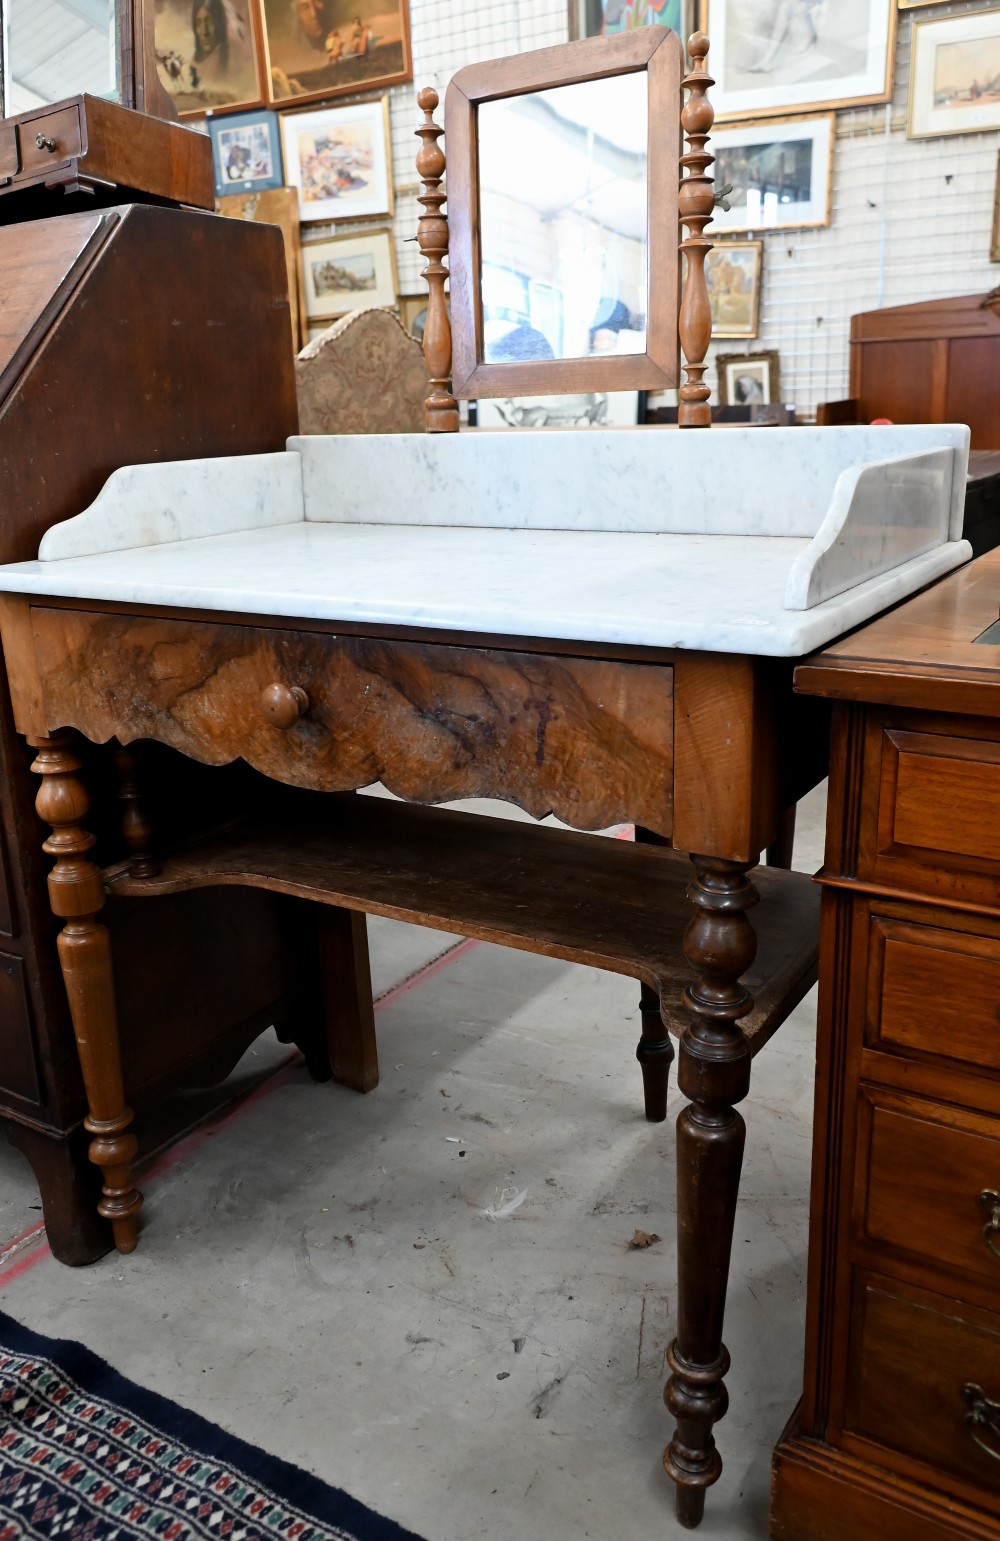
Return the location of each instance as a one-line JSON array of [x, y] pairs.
[[742, 163], [313, 55], [749, 379], [733, 271], [953, 59], [413, 313], [345, 273], [209, 55]]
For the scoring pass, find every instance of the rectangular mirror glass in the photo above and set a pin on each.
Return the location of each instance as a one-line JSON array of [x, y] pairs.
[[58, 48], [562, 221], [563, 168]]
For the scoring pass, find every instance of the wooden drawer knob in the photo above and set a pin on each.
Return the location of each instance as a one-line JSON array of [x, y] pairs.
[[283, 705]]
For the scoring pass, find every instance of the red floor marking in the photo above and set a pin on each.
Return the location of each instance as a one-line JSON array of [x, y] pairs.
[[272, 1082]]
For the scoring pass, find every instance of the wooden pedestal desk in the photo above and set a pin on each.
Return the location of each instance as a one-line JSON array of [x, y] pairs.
[[898, 1433], [591, 660]]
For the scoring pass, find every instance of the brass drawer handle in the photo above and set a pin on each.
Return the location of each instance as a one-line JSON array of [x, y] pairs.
[[283, 705], [45, 143], [989, 1200], [982, 1414]]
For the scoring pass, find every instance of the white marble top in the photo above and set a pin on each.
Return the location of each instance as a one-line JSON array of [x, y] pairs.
[[717, 592], [751, 540]]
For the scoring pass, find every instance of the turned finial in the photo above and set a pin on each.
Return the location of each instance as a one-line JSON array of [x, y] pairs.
[[697, 201], [440, 407]]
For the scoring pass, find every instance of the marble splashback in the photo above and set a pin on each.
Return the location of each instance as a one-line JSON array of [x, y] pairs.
[[148, 505], [723, 481]]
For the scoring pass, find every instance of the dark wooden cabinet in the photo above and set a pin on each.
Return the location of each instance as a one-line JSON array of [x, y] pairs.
[[130, 335], [898, 1433]]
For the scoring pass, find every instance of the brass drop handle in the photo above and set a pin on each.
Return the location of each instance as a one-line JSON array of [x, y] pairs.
[[45, 143], [283, 705], [983, 1414], [989, 1200]]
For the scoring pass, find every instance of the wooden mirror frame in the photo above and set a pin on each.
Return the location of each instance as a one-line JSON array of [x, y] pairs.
[[658, 53], [139, 81]]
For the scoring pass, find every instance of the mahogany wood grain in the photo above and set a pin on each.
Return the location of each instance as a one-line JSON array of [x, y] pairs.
[[587, 740], [658, 54], [602, 902], [347, 979], [39, 278], [934, 991]]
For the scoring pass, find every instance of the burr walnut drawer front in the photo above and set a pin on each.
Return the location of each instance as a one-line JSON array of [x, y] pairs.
[[49, 139], [924, 1385], [934, 991], [929, 1183], [585, 738], [938, 823]]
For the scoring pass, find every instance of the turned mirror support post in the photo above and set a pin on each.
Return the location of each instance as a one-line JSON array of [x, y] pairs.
[[440, 407], [696, 207]]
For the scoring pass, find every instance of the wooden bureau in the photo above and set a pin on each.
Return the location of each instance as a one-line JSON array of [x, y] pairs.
[[898, 1431]]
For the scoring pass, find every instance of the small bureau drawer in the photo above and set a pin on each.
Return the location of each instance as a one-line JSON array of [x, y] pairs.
[[934, 991], [47, 140], [921, 1367], [938, 827], [930, 1182], [588, 739]]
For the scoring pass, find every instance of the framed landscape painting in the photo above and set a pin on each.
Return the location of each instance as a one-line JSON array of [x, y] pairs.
[[955, 75], [339, 159], [780, 172], [733, 272], [324, 48], [351, 272], [775, 56]]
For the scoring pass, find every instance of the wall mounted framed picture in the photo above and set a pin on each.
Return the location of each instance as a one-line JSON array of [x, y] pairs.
[[748, 379], [771, 57], [780, 171], [591, 409], [246, 153], [596, 18], [733, 271], [208, 54], [340, 161], [995, 243], [413, 314], [326, 48], [954, 75], [350, 272]]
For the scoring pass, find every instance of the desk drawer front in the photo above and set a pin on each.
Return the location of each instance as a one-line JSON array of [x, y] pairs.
[[927, 1175], [912, 1359], [585, 739], [934, 991], [61, 138]]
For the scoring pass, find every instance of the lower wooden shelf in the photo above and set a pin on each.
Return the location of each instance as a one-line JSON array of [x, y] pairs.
[[608, 903]]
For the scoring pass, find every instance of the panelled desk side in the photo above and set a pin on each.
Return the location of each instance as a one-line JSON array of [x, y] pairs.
[[898, 1432]]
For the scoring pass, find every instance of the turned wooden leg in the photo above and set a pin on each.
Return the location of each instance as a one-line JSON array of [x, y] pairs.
[[655, 1054], [76, 894], [714, 1072]]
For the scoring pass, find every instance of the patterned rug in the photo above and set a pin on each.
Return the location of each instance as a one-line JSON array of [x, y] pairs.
[[86, 1455]]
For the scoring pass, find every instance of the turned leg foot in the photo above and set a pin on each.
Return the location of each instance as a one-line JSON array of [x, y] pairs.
[[655, 1054], [76, 894], [714, 1072]]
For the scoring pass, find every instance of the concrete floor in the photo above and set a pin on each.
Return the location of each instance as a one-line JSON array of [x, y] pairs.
[[319, 1272]]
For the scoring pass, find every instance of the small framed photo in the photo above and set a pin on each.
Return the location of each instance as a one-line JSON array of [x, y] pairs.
[[413, 314], [748, 379], [954, 75], [207, 54], [733, 271], [317, 49], [597, 18], [339, 160], [350, 272], [246, 153], [780, 172], [593, 409], [799, 55]]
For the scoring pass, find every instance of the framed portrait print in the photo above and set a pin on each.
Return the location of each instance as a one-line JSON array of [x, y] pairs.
[[733, 272], [324, 48], [777, 56], [748, 379], [954, 75], [780, 172], [207, 54], [351, 272], [339, 160], [246, 153]]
